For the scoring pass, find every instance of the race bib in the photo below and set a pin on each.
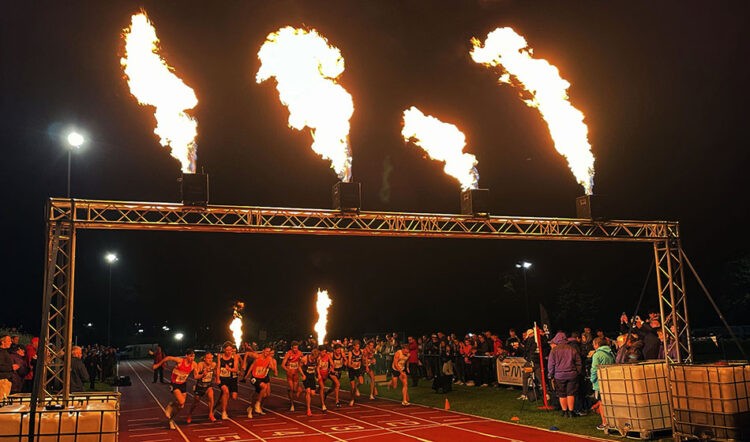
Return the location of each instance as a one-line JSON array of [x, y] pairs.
[[180, 377], [293, 365], [224, 372]]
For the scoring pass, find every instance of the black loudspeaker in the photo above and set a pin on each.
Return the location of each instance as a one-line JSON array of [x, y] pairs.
[[347, 197], [590, 207], [194, 189], [475, 202], [123, 381]]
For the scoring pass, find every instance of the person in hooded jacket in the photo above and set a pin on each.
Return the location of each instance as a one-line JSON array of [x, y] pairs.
[[564, 367], [602, 356]]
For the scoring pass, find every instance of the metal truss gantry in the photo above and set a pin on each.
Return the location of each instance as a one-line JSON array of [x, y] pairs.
[[65, 216]]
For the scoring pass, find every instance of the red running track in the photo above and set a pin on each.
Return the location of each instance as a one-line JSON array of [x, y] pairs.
[[142, 419]]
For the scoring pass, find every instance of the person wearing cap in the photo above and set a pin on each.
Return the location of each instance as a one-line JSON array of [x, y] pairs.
[[564, 367], [185, 366]]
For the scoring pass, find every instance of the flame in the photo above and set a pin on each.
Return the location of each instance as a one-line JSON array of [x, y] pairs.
[[549, 94], [443, 142], [153, 83], [321, 305], [306, 68], [236, 328]]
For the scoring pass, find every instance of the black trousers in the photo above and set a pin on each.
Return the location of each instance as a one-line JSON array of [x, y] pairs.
[[159, 373]]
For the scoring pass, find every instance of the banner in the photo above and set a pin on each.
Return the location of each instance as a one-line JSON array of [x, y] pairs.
[[510, 371]]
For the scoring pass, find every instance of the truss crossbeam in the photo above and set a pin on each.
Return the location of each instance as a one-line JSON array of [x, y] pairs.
[[91, 214]]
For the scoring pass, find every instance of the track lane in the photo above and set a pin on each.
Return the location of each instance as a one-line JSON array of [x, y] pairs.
[[380, 420]]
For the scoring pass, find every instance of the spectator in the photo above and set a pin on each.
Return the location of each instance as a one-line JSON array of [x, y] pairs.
[[92, 362], [413, 361], [531, 367], [482, 363], [629, 349], [78, 373], [432, 351], [7, 367], [648, 333], [564, 367], [159, 371], [602, 356], [17, 356], [31, 352], [513, 344]]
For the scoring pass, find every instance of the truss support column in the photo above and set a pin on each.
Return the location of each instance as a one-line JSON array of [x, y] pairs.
[[57, 323], [670, 280]]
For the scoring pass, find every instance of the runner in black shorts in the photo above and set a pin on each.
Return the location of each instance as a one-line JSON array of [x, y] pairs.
[[338, 360], [181, 372], [311, 378], [205, 373], [369, 352], [261, 380], [354, 362], [227, 369]]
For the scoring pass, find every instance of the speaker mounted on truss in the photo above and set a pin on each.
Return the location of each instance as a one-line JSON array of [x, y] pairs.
[[194, 189], [475, 202], [347, 197], [590, 207]]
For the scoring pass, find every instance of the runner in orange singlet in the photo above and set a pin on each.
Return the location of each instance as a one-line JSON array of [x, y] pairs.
[[181, 372], [292, 366], [261, 380]]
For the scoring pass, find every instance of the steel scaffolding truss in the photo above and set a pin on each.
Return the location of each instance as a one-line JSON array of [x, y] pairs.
[[65, 216]]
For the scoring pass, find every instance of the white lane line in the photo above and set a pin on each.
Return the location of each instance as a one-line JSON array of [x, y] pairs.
[[230, 419], [156, 400], [211, 429], [149, 434]]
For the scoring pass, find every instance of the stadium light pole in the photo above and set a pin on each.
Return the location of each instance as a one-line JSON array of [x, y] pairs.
[[75, 141], [524, 266], [111, 258]]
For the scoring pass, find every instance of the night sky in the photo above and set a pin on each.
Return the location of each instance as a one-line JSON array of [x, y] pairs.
[[663, 86]]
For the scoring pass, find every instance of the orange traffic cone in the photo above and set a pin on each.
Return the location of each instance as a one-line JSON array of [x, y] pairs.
[[447, 404]]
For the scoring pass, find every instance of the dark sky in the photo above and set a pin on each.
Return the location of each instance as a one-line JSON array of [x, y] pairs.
[[663, 86]]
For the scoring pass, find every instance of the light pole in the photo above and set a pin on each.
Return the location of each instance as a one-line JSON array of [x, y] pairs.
[[111, 258], [75, 141], [524, 266]]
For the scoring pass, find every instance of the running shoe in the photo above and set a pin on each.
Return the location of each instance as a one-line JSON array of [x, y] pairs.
[[405, 404], [224, 415], [249, 412], [351, 403], [172, 426], [257, 409], [324, 409], [523, 397], [291, 408], [470, 383], [211, 417], [372, 398], [168, 411], [309, 413], [601, 427], [338, 404], [189, 419]]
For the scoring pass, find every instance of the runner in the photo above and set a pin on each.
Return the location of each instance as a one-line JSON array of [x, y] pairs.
[[291, 365], [325, 363], [311, 378], [226, 373], [398, 372], [185, 366], [338, 360], [205, 372], [249, 353], [355, 369], [260, 379], [369, 352]]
